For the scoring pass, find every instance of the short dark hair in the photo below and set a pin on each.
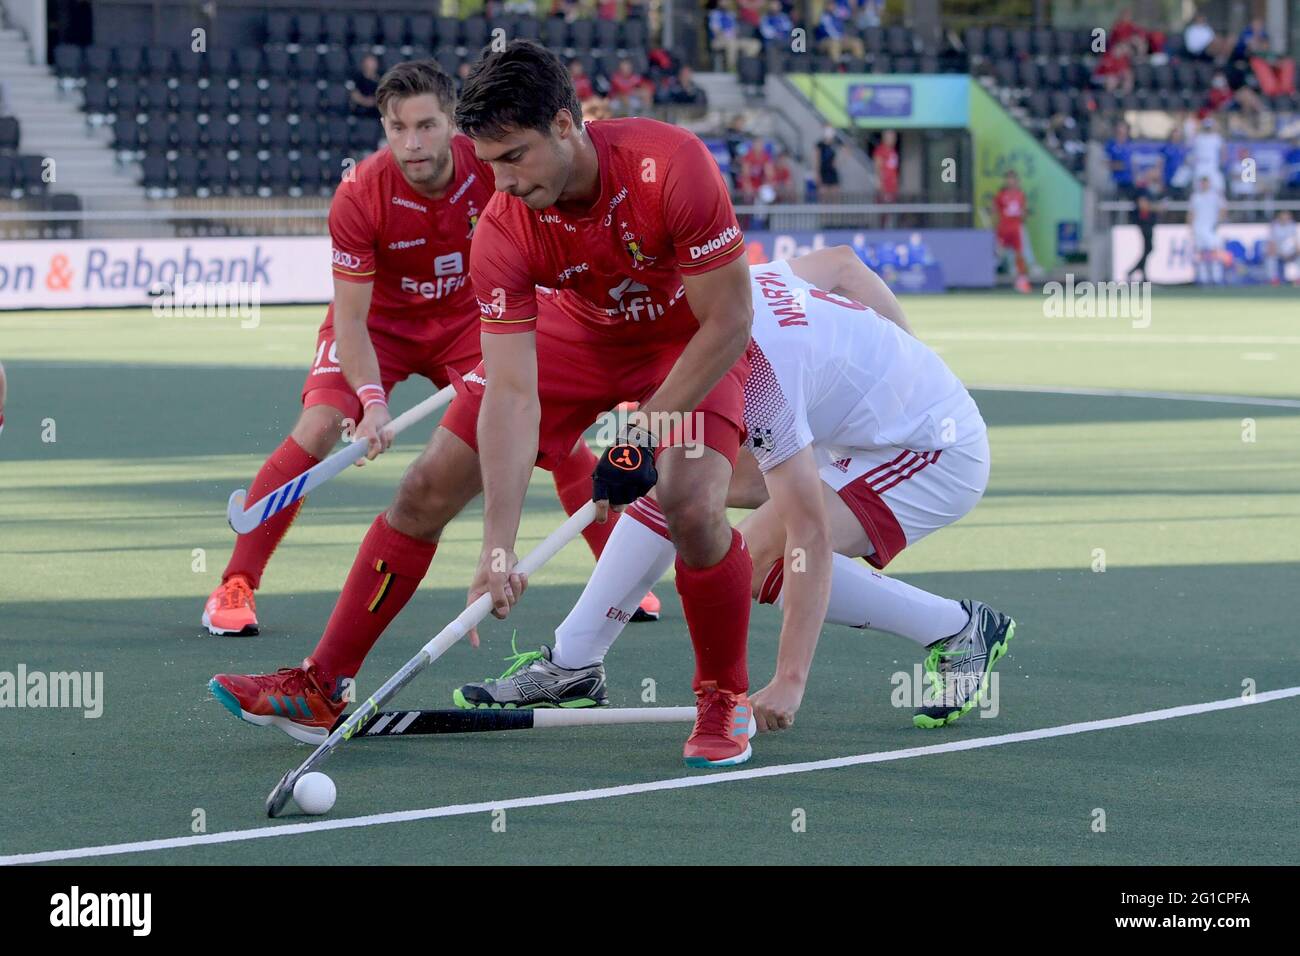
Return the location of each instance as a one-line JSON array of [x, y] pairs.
[[415, 78], [518, 88]]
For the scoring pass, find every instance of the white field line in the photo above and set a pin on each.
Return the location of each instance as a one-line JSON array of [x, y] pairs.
[[1140, 393], [1133, 337], [703, 779]]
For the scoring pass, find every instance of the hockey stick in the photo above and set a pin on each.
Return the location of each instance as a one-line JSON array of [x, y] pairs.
[[245, 521], [437, 646], [413, 723]]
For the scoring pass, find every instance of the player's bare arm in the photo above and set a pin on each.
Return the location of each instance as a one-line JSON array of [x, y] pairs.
[[359, 362], [838, 269], [796, 491], [507, 439]]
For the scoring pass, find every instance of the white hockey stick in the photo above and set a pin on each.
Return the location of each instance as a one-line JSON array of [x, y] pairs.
[[315, 476]]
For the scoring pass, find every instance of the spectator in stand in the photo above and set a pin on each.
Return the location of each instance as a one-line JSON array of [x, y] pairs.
[[1281, 250], [1114, 71], [755, 170], [629, 92], [1119, 158], [751, 11], [682, 90], [364, 84], [885, 157], [635, 10], [462, 74], [776, 26], [833, 34], [1199, 39], [828, 176], [596, 108], [1276, 75], [1144, 217], [523, 7], [581, 81], [724, 35], [867, 15], [783, 176], [1204, 214], [607, 9]]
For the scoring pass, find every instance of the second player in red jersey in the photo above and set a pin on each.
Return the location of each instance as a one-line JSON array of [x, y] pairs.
[[1010, 208]]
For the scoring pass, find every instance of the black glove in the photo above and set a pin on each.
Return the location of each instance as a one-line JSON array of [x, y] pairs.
[[627, 469]]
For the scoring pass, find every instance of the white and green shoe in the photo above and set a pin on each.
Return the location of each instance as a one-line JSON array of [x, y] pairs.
[[534, 680], [957, 669]]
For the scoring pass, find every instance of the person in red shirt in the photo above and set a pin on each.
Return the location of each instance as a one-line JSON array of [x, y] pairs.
[[755, 169], [608, 267], [629, 91], [885, 156], [630, 225], [1010, 208], [581, 81], [400, 226]]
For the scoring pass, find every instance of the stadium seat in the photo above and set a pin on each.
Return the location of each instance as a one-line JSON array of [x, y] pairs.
[[337, 132], [1051, 76], [634, 35], [222, 100], [448, 59], [999, 45], [306, 134], [421, 30], [10, 134], [392, 30], [248, 174], [159, 62], [31, 175], [1021, 42], [279, 135], [905, 64], [606, 37], [555, 34], [67, 60], [1063, 41], [129, 61], [190, 65], [156, 134], [155, 172], [976, 42], [308, 29], [278, 66], [306, 98], [336, 30], [474, 31], [1043, 42], [248, 64], [365, 29], [126, 135], [8, 175], [98, 63], [898, 41], [307, 172], [1027, 74], [215, 173], [306, 64], [336, 100], [221, 135], [276, 100], [1004, 71], [392, 57], [279, 172], [190, 99], [279, 28], [750, 71], [582, 34], [363, 136], [336, 65], [96, 101], [186, 133], [529, 28], [187, 174]]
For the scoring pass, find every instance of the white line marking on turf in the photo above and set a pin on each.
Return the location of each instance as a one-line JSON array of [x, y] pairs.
[[1136, 337], [1141, 393], [1259, 356], [652, 786]]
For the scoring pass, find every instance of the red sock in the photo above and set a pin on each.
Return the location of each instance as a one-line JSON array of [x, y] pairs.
[[573, 484], [716, 604], [253, 550], [387, 570]]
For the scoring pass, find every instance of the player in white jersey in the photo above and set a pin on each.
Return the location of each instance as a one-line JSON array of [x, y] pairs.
[[864, 442], [1282, 248], [1204, 212], [1209, 154]]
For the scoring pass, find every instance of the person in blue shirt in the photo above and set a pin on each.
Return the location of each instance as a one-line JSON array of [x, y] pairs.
[[776, 25], [1118, 155], [833, 34]]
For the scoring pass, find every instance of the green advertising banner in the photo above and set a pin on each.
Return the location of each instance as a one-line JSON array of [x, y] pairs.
[[908, 101]]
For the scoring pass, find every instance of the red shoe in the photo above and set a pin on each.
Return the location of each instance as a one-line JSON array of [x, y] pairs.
[[1022, 284], [648, 609], [724, 722], [291, 699], [231, 610]]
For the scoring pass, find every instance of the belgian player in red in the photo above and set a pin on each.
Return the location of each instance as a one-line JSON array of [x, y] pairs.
[[1010, 209], [646, 298], [400, 226], [630, 224]]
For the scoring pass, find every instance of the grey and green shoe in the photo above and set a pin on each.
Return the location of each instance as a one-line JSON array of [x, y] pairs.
[[534, 680], [957, 669]]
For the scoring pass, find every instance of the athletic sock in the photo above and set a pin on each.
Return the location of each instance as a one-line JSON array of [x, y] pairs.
[[572, 479], [387, 570], [253, 550], [638, 554], [715, 601], [862, 597]]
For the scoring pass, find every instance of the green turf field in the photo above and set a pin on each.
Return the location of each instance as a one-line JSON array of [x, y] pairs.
[[156, 421]]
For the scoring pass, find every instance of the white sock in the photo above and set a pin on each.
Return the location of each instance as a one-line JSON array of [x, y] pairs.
[[863, 597], [1216, 270], [633, 560]]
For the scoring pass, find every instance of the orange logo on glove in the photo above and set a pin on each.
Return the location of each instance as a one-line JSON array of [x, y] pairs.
[[626, 457]]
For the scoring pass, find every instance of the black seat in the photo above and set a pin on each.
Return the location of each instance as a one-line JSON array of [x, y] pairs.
[[186, 133], [634, 34], [279, 28], [307, 172], [309, 29], [157, 133], [306, 135], [98, 63], [337, 132], [67, 60], [306, 98], [528, 28], [156, 171], [475, 33], [448, 31], [555, 34], [8, 175], [126, 135], [97, 101], [130, 60], [221, 135], [306, 64], [248, 64], [336, 29], [279, 135], [336, 65], [976, 41], [279, 171], [420, 30], [216, 172], [336, 100], [187, 173], [751, 71], [392, 29], [248, 174], [278, 65], [606, 35], [582, 35], [365, 29]]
